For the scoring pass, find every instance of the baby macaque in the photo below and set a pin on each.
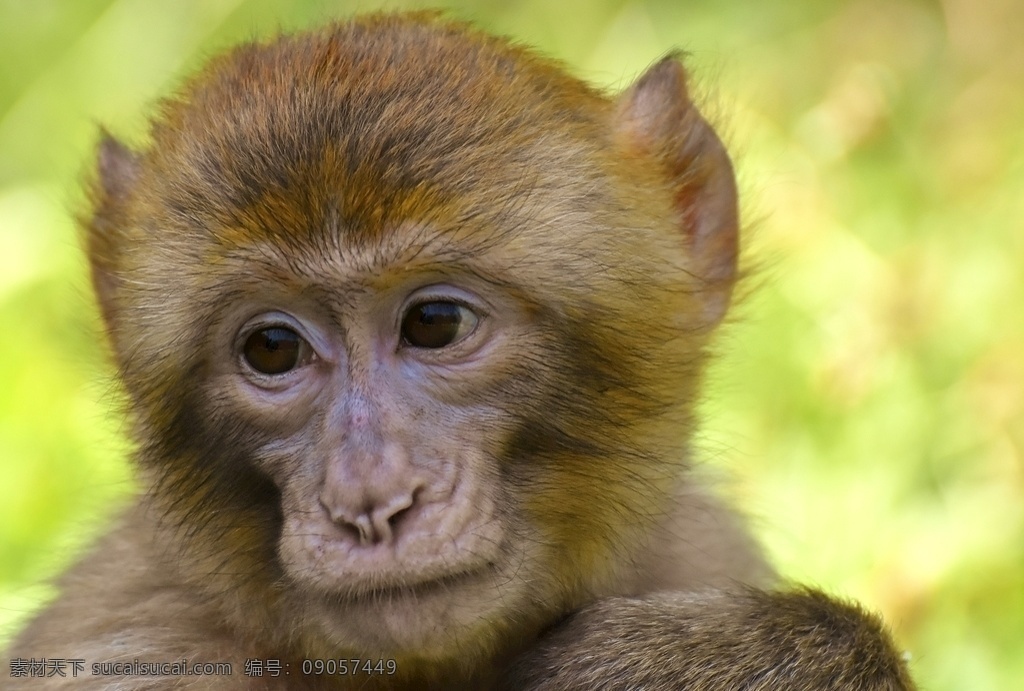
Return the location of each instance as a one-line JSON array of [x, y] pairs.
[[411, 325]]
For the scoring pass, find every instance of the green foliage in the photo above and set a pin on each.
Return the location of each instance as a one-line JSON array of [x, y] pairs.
[[870, 397]]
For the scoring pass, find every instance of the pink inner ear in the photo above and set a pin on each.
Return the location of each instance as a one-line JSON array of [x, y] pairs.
[[656, 118]]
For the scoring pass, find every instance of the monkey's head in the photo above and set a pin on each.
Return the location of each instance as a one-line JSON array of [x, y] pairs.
[[411, 322]]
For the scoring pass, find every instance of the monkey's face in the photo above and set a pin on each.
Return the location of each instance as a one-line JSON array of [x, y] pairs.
[[411, 324], [415, 436], [379, 402], [434, 429]]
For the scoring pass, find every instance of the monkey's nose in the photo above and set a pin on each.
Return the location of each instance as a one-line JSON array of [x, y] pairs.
[[370, 490], [375, 522]]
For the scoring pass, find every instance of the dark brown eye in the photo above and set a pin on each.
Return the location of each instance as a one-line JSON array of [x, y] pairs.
[[437, 324], [274, 350]]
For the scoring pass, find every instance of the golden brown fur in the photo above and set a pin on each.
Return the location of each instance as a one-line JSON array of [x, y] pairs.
[[515, 508]]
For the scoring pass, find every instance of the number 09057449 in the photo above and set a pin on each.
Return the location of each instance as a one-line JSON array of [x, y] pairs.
[[349, 666]]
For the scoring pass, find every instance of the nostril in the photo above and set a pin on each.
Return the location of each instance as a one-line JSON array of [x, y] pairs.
[[350, 532], [398, 516], [403, 512]]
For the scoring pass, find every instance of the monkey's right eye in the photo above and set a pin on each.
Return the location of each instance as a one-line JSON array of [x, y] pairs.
[[274, 350]]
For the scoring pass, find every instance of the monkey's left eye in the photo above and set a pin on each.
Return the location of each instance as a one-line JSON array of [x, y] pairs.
[[437, 324], [275, 350]]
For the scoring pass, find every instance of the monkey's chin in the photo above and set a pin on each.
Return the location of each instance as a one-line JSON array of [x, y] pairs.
[[423, 596]]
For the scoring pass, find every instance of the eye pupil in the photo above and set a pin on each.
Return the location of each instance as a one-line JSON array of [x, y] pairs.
[[274, 350], [435, 324]]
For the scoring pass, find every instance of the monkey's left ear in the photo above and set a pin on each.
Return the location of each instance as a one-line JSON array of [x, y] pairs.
[[656, 118]]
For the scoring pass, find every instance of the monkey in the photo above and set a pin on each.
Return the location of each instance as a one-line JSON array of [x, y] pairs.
[[411, 323]]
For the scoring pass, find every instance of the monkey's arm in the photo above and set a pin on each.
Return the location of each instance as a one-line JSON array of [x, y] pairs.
[[754, 640]]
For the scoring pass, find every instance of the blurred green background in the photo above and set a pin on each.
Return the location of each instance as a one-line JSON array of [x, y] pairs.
[[868, 405]]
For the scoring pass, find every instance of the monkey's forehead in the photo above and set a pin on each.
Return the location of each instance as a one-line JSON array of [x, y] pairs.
[[384, 85], [401, 112]]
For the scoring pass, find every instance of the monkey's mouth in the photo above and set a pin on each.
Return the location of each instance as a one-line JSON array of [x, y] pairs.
[[361, 578], [317, 559], [445, 585]]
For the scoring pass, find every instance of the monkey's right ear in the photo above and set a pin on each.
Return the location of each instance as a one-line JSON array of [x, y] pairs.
[[117, 171], [118, 166], [656, 120]]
